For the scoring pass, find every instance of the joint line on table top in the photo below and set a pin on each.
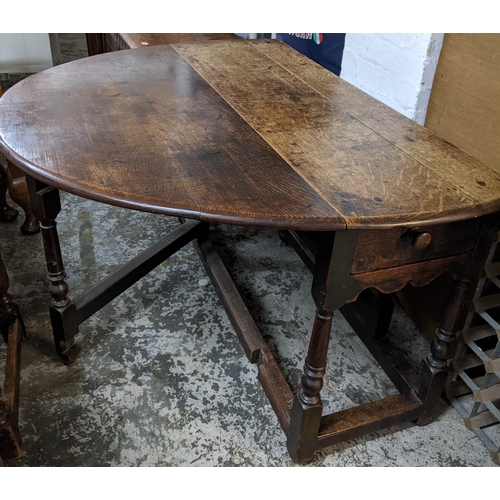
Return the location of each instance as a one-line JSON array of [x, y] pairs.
[[467, 195], [266, 141], [255, 47]]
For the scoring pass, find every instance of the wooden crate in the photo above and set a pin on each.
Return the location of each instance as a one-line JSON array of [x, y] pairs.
[[474, 390]]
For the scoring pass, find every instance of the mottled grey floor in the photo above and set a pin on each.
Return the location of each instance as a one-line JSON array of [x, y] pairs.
[[162, 380]]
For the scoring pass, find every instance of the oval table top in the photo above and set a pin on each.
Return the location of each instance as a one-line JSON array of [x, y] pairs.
[[239, 132]]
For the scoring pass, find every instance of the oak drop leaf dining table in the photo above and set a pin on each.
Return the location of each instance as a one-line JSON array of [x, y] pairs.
[[253, 133]]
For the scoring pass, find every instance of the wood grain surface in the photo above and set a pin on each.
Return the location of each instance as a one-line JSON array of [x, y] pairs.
[[138, 40], [242, 132], [365, 158], [451, 164]]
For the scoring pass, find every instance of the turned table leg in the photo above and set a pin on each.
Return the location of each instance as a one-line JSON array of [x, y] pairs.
[[434, 371], [18, 190], [307, 406], [46, 206], [329, 289]]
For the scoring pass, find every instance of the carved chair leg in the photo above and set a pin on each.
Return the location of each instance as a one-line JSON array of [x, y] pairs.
[[10, 437], [46, 206], [308, 407], [7, 308], [7, 213], [18, 190], [13, 332]]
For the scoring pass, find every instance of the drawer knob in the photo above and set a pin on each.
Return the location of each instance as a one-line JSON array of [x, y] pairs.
[[420, 240]]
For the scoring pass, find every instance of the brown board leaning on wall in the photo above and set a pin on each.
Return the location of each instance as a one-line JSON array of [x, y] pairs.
[[464, 107]]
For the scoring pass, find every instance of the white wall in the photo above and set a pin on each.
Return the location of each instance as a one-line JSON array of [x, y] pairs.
[[25, 52], [397, 68]]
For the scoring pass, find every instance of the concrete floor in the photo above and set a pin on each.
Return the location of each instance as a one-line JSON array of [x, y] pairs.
[[162, 380]]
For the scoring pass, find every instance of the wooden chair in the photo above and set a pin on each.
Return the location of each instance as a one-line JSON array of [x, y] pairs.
[[15, 182], [13, 332], [7, 213]]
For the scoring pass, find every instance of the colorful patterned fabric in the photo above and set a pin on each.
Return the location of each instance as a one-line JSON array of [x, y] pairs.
[[324, 48]]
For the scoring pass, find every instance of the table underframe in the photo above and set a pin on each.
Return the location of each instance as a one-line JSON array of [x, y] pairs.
[[300, 411]]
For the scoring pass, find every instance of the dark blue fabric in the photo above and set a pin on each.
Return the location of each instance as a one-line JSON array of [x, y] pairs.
[[326, 49]]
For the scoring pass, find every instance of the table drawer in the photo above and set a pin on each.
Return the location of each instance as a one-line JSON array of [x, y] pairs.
[[396, 247]]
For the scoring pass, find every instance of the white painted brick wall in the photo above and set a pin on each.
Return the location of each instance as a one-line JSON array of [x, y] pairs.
[[396, 68]]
